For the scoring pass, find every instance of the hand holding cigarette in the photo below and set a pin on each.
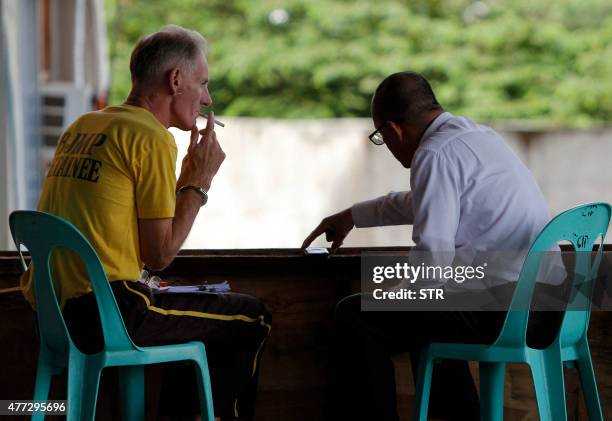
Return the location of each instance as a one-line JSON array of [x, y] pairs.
[[204, 157]]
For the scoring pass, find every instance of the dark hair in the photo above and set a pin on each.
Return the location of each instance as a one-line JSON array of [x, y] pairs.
[[404, 97], [157, 53]]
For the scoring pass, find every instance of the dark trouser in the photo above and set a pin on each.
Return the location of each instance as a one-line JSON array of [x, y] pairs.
[[363, 385], [232, 326]]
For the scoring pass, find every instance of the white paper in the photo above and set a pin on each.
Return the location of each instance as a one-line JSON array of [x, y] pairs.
[[195, 289]]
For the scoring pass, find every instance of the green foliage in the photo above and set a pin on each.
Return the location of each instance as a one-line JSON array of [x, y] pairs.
[[533, 61]]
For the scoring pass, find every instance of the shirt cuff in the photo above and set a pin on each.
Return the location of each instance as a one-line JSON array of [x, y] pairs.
[[365, 213]]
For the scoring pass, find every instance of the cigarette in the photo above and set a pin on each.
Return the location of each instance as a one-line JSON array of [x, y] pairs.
[[217, 122]]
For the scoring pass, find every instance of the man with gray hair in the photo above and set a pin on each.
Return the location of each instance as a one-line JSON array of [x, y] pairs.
[[113, 177]]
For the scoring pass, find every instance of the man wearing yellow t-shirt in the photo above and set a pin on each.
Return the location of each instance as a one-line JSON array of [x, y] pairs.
[[113, 177]]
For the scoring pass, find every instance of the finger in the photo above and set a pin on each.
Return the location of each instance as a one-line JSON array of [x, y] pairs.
[[210, 127], [210, 120], [335, 246], [204, 135], [309, 240], [193, 140], [214, 138], [330, 234], [314, 234], [211, 144]]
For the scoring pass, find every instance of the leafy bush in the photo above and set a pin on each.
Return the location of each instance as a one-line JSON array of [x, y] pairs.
[[533, 61]]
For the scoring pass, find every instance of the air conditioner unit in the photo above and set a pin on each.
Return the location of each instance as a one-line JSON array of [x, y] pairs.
[[61, 104]]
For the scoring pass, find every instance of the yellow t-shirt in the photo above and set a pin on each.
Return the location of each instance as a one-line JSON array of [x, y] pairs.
[[110, 168]]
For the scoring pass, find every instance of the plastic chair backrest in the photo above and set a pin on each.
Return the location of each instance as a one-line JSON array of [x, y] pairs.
[[41, 233], [581, 226]]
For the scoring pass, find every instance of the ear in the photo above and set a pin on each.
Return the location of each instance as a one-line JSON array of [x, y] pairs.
[[396, 128], [175, 81]]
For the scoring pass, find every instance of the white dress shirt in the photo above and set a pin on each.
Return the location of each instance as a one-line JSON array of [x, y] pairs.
[[469, 192]]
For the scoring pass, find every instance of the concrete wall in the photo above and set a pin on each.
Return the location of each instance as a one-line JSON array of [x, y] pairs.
[[282, 176]]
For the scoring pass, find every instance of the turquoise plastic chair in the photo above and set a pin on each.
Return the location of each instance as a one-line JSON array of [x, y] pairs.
[[581, 226], [40, 233]]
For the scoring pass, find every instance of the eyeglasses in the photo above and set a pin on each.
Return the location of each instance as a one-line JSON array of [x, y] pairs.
[[376, 136]]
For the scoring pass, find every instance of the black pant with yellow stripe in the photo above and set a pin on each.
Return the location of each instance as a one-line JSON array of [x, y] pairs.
[[232, 326]]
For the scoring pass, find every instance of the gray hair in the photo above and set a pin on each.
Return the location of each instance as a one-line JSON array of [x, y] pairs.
[[157, 53]]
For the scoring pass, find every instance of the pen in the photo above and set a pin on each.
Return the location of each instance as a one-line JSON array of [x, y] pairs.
[[205, 115]]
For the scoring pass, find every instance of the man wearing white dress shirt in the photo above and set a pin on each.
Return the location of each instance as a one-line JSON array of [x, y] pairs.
[[469, 192]]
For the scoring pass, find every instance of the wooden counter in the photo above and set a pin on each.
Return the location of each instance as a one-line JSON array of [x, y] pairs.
[[301, 291]]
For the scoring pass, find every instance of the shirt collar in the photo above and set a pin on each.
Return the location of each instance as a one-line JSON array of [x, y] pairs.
[[435, 125]]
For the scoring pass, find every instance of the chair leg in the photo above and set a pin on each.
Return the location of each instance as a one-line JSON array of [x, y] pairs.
[[131, 385], [589, 385], [83, 382], [44, 373], [423, 386], [547, 373], [207, 412], [492, 390]]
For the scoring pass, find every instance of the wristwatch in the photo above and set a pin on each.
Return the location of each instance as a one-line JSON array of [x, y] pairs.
[[197, 189]]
